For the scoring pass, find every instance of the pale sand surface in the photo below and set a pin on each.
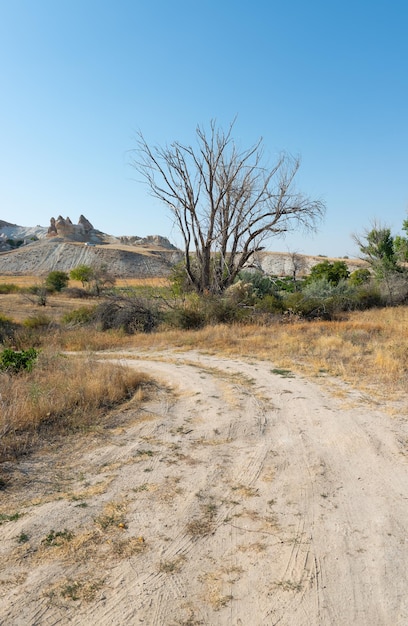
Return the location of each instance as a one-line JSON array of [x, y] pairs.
[[233, 496]]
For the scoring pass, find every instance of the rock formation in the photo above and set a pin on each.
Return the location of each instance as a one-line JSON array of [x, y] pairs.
[[150, 240], [64, 228]]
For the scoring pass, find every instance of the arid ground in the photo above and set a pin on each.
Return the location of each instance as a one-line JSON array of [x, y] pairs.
[[236, 494]]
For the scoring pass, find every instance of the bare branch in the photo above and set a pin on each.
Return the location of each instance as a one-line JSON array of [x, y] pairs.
[[224, 200]]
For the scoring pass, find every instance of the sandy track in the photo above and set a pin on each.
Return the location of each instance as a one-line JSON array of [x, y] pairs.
[[235, 496]]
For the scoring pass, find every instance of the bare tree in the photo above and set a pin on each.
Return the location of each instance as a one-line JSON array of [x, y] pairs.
[[299, 264], [225, 202]]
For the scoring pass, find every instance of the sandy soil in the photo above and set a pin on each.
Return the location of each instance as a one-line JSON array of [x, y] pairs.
[[236, 495]]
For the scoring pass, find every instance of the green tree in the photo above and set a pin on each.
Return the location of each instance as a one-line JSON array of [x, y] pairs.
[[56, 280], [83, 273], [96, 278], [332, 272], [360, 276], [377, 247], [401, 244]]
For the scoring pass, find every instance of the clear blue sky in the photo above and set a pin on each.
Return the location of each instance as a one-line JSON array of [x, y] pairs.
[[324, 79]]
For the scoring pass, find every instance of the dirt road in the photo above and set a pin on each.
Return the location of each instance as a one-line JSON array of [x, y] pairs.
[[237, 495]]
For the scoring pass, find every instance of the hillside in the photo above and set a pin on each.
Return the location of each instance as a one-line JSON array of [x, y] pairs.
[[64, 246], [41, 257]]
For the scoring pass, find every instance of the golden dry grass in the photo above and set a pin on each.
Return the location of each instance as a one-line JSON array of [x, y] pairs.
[[60, 395], [20, 281], [368, 349], [20, 307], [142, 282]]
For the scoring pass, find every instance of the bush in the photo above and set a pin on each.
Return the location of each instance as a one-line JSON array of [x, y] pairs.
[[298, 304], [270, 304], [332, 272], [262, 285], [185, 317], [129, 315], [83, 273], [56, 280], [37, 321], [77, 292], [7, 329], [41, 293], [6, 288], [360, 277], [17, 360], [197, 311], [78, 317]]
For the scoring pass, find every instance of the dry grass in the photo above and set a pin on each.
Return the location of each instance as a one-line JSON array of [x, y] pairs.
[[368, 349], [20, 307], [20, 281], [142, 282], [60, 395]]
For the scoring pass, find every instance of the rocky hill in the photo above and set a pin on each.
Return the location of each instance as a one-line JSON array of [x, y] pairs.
[[63, 246]]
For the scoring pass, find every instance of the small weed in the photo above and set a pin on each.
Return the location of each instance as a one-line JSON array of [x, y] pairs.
[[126, 548], [171, 566], [57, 538], [143, 487], [22, 538], [80, 589], [288, 585], [144, 453], [113, 515], [282, 372], [210, 510], [9, 518], [246, 492], [200, 527]]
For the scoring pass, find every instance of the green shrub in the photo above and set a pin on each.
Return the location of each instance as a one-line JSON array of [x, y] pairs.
[[37, 321], [270, 304], [262, 284], [17, 360], [360, 277], [15, 243], [56, 280], [186, 317], [198, 311], [332, 272], [6, 288], [78, 317], [298, 304], [83, 273]]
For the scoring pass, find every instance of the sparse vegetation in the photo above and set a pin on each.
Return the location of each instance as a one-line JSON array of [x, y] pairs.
[[58, 396], [258, 315]]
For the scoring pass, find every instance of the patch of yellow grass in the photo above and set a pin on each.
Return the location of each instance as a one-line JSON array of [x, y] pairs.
[[20, 281], [142, 282], [61, 394], [368, 349]]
